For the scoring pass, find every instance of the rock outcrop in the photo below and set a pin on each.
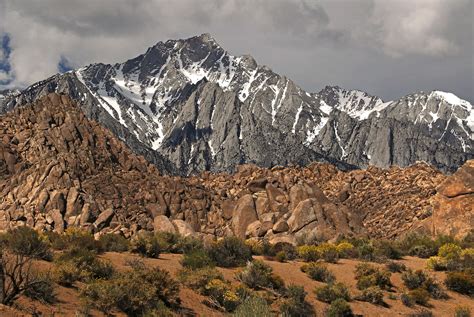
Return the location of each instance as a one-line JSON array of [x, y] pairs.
[[453, 205]]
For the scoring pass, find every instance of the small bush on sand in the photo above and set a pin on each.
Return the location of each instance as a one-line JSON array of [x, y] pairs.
[[318, 272], [258, 275], [26, 242], [346, 250], [373, 295], [414, 279], [146, 244], [253, 307], [197, 279], [256, 246], [222, 295], [420, 296], [230, 252], [308, 253], [462, 311], [339, 308], [328, 252], [387, 249], [295, 303], [461, 282], [134, 292], [42, 290], [330, 292], [395, 267], [368, 275], [113, 242], [197, 259]]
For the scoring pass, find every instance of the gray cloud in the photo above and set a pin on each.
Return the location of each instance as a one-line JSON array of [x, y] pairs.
[[386, 47]]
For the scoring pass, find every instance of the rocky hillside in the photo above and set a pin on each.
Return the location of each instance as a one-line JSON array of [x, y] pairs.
[[189, 106], [60, 169]]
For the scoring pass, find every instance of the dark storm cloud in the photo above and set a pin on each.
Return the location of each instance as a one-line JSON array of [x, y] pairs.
[[386, 47]]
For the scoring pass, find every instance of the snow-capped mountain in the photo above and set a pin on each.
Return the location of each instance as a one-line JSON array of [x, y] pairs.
[[189, 105]]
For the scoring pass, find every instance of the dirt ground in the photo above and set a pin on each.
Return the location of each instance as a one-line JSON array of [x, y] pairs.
[[69, 304]]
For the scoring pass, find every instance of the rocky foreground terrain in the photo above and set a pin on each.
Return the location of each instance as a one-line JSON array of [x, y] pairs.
[[59, 169]]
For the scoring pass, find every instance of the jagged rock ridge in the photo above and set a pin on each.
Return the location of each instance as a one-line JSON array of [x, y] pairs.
[[194, 107]]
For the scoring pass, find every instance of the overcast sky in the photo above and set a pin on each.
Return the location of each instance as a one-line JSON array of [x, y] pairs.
[[386, 47]]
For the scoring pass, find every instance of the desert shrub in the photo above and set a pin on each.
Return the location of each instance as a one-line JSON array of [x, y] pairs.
[[295, 304], [161, 310], [467, 258], [230, 252], [407, 300], [308, 253], [197, 259], [26, 242], [419, 245], [434, 289], [197, 279], [462, 311], [268, 248], [253, 307], [414, 279], [339, 308], [113, 242], [280, 256], [255, 246], [436, 263], [461, 282], [318, 272], [42, 290], [387, 249], [450, 250], [368, 275], [366, 251], [346, 250], [80, 265], [222, 294], [258, 275], [395, 267], [66, 273], [134, 292], [330, 292], [328, 252], [76, 238], [171, 242], [421, 313], [373, 295], [420, 296], [287, 248], [147, 244]]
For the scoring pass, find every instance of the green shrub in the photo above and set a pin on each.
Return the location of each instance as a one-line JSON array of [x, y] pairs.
[[407, 300], [449, 250], [373, 295], [346, 250], [419, 245], [258, 275], [27, 242], [66, 273], [420, 296], [421, 313], [328, 252], [147, 244], [197, 259], [387, 249], [42, 290], [134, 292], [331, 292], [318, 272], [169, 242], [339, 308], [230, 252], [467, 258], [295, 304], [434, 289], [395, 267], [461, 282], [253, 307], [285, 249], [281, 256], [76, 238], [414, 279], [462, 311], [368, 275], [113, 242], [436, 263], [255, 246], [197, 279], [366, 251], [308, 253], [221, 292]]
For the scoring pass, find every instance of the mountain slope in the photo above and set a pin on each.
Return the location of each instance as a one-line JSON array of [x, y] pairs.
[[191, 104]]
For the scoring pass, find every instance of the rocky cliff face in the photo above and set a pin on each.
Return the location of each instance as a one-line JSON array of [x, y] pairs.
[[60, 169], [188, 106]]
